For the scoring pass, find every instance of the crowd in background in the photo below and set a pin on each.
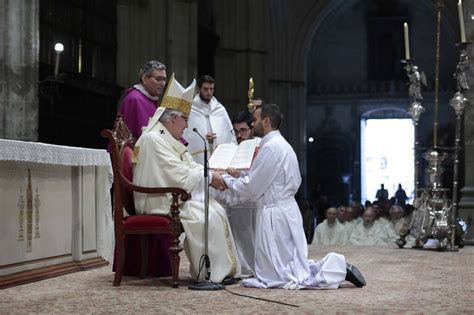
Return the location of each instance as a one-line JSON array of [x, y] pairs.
[[375, 223]]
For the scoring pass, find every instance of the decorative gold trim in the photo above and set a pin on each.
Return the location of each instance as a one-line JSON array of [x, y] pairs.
[[21, 215], [37, 204], [177, 104], [231, 249], [29, 215], [136, 151], [197, 152]]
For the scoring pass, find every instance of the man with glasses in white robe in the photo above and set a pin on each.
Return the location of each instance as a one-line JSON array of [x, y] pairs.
[[242, 215]]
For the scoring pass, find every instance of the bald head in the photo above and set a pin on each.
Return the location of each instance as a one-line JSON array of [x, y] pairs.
[[369, 217], [331, 215]]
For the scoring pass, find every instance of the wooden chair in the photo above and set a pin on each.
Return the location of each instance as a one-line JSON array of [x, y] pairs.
[[121, 143]]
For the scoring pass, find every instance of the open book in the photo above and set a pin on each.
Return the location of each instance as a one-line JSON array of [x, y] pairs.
[[232, 155]]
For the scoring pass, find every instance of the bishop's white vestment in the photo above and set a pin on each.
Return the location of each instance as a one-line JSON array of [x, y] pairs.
[[281, 250], [164, 161], [206, 118]]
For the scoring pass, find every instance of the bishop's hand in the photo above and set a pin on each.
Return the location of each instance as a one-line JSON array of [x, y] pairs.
[[217, 182]]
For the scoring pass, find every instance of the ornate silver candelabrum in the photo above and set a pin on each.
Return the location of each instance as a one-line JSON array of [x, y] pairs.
[[435, 215], [431, 218], [415, 109], [458, 102], [416, 79], [437, 207]]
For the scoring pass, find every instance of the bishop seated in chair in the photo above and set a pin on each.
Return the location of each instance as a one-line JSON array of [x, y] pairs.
[[162, 160]]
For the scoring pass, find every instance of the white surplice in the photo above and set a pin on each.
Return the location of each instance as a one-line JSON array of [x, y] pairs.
[[348, 228], [281, 250], [243, 220], [391, 233], [206, 118], [326, 234], [164, 162], [362, 235]]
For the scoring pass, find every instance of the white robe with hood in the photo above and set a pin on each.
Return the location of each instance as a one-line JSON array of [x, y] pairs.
[[206, 118]]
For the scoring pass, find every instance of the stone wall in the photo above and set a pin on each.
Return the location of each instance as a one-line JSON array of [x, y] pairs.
[[156, 30], [19, 54]]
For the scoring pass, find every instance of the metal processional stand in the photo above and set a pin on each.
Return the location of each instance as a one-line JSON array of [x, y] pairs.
[[435, 216]]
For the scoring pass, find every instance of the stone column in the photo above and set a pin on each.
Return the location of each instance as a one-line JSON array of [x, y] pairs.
[[19, 57], [466, 202], [241, 53], [297, 119], [286, 79], [156, 30]]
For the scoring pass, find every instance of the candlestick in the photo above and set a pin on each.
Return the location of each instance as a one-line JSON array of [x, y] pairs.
[[461, 22], [250, 105], [407, 44]]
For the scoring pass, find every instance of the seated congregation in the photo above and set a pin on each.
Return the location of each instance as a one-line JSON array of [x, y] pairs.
[[375, 225]]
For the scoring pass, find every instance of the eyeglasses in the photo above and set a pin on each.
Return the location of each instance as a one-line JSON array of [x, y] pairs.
[[240, 131], [186, 119]]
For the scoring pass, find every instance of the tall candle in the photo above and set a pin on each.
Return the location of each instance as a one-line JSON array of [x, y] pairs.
[[461, 22], [407, 44]]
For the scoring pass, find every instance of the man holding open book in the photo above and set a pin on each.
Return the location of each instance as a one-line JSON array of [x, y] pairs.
[[242, 215], [280, 244]]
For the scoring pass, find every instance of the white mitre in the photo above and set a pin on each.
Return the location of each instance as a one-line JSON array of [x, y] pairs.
[[176, 97]]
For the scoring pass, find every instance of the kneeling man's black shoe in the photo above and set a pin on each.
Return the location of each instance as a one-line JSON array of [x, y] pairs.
[[229, 280], [354, 276]]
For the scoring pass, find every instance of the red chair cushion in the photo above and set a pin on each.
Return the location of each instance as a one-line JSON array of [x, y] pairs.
[[126, 155], [137, 222]]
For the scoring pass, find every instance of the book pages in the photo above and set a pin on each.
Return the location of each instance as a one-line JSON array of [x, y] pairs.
[[222, 156], [231, 155], [244, 155]]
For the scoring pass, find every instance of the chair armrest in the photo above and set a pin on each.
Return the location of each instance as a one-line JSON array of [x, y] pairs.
[[154, 190]]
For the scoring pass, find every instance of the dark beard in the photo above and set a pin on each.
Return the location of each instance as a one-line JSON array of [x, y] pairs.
[[204, 99], [257, 131]]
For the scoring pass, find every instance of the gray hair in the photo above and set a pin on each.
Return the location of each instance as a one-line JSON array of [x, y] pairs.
[[168, 114], [148, 68]]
